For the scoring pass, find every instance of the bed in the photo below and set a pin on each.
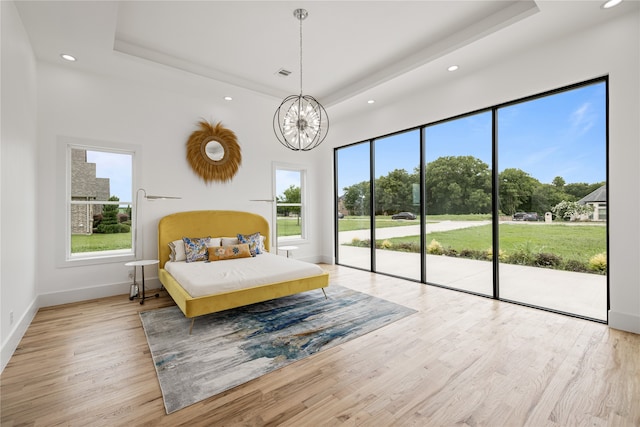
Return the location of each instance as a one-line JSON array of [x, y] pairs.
[[247, 286]]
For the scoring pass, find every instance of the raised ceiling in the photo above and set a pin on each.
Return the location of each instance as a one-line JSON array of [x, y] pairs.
[[349, 47]]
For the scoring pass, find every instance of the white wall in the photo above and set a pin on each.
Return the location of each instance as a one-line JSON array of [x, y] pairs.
[[611, 49], [18, 212]]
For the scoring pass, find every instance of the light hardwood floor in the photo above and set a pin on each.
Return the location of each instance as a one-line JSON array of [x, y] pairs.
[[461, 360]]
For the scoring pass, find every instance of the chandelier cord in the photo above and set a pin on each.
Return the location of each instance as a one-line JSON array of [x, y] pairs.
[[301, 18]]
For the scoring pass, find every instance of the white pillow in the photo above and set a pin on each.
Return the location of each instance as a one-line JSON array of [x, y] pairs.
[[227, 241], [215, 241], [177, 251]]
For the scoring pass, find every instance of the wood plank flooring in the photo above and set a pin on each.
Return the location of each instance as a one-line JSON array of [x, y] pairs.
[[461, 360]]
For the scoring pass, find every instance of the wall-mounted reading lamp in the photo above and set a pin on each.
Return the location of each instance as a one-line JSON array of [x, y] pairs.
[[147, 197]]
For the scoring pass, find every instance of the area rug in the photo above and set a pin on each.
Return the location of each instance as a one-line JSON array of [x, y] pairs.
[[235, 346]]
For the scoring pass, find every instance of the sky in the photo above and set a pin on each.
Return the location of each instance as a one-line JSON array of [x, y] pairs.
[[116, 167], [285, 179], [558, 135]]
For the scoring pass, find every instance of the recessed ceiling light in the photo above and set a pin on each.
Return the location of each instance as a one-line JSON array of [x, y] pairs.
[[611, 3], [371, 101], [228, 98], [453, 68], [68, 57]]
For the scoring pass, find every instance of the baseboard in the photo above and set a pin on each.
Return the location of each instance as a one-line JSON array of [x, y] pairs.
[[13, 340], [624, 321], [317, 259], [326, 260], [94, 292]]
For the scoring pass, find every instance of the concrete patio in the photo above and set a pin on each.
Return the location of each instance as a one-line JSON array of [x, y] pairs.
[[583, 294]]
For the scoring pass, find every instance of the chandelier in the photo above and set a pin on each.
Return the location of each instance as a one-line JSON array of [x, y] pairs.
[[300, 122]]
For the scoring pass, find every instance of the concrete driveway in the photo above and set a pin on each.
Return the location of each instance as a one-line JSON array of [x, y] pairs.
[[407, 230]]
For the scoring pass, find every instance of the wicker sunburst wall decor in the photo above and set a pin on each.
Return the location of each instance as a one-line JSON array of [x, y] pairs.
[[213, 152]]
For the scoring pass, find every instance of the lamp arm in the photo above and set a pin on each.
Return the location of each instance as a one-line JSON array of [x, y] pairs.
[[135, 223]]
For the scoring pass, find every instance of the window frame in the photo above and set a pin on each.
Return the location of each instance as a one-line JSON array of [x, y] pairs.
[[64, 257], [304, 211]]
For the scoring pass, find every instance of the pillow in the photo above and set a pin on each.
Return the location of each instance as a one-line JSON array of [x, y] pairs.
[[196, 248], [229, 252], [263, 250], [254, 242], [214, 242], [177, 251], [226, 241]]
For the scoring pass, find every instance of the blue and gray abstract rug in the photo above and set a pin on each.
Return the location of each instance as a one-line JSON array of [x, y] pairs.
[[233, 347]]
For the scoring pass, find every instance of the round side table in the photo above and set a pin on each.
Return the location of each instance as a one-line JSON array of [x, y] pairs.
[[134, 287], [287, 249]]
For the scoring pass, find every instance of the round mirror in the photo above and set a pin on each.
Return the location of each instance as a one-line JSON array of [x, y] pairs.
[[214, 150]]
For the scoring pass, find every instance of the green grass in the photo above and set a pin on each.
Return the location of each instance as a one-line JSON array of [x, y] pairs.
[[579, 242], [289, 227], [100, 242]]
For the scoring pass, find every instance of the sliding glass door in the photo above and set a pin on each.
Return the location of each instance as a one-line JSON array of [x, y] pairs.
[[353, 213], [458, 160], [509, 202], [397, 205], [552, 192]]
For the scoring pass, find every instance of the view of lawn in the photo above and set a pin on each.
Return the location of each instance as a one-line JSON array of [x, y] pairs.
[[288, 226], [100, 242], [579, 242]]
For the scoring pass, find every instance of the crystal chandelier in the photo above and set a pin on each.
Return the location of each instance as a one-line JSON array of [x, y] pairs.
[[300, 122]]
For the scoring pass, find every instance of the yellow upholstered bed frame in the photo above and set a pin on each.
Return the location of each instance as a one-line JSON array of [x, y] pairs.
[[218, 224]]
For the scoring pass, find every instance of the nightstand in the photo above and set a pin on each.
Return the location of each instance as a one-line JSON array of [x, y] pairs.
[[287, 249], [134, 293]]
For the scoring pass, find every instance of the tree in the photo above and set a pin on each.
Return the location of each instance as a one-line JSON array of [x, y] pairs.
[[580, 189], [458, 185], [546, 196], [516, 188], [356, 198], [290, 195], [558, 182], [394, 192], [571, 210], [109, 223]]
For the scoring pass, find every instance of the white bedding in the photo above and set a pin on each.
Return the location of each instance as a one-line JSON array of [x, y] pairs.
[[207, 278]]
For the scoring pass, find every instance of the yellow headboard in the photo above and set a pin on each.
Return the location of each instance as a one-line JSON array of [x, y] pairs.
[[207, 223]]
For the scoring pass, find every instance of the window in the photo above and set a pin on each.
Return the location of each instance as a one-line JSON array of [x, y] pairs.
[[98, 203], [290, 203]]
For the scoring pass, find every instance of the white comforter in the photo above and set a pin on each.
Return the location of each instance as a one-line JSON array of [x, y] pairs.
[[207, 278]]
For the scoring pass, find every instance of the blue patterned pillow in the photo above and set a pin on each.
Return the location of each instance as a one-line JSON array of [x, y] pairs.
[[196, 248], [254, 241]]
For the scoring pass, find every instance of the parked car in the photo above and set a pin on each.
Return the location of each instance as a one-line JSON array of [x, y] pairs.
[[525, 216], [340, 215], [403, 215]]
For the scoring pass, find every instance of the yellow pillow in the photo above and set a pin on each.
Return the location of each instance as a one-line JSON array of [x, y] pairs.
[[219, 253]]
